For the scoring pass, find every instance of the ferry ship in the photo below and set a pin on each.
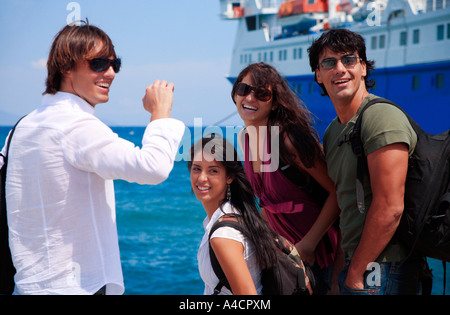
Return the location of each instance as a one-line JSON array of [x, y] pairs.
[[409, 40]]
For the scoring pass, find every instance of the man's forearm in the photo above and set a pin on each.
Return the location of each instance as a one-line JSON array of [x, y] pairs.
[[380, 226]]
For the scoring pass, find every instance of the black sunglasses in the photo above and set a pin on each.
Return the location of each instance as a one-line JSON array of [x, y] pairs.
[[102, 64], [262, 94], [347, 61]]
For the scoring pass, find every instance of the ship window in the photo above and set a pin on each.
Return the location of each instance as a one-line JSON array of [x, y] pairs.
[[271, 56], [297, 88], [311, 88], [382, 41], [440, 32], [265, 56], [415, 82], [403, 38], [374, 42], [440, 80], [297, 53], [251, 23], [246, 58], [448, 31], [416, 36]]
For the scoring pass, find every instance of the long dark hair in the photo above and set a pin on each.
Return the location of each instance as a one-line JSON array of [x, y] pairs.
[[289, 114], [242, 196]]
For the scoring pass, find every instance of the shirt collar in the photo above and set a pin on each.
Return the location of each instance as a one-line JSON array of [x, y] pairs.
[[225, 209], [360, 108], [363, 104], [68, 99]]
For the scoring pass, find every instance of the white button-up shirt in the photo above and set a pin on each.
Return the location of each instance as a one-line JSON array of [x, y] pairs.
[[60, 194], [204, 260]]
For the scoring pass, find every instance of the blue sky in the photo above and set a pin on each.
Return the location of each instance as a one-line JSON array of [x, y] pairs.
[[183, 41]]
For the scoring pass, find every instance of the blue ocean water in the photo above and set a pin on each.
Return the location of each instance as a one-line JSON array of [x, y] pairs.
[[160, 229]]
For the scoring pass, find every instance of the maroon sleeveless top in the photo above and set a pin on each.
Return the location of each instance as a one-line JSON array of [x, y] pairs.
[[290, 211]]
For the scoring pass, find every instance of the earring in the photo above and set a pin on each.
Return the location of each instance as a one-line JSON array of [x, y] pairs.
[[228, 193]]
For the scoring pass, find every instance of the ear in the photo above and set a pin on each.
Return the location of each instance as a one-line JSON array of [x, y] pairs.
[[364, 69], [66, 72], [66, 82], [274, 107], [67, 75], [230, 179], [318, 78]]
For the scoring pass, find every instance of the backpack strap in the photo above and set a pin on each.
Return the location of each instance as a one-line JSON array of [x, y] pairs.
[[7, 269], [358, 148], [5, 157], [227, 220], [444, 266]]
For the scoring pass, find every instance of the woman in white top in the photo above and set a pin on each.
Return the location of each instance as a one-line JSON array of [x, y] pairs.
[[218, 180]]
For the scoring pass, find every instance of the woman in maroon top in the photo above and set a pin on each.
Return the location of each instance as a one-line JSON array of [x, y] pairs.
[[279, 133]]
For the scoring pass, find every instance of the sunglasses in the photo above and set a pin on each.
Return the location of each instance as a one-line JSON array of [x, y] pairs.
[[347, 61], [262, 94], [102, 64]]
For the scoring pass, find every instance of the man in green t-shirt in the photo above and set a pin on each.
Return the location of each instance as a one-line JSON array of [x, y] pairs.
[[372, 253]]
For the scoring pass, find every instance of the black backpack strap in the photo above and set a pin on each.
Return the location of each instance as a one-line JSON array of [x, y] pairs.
[[5, 158], [5, 164], [7, 269], [358, 148], [227, 220], [444, 267]]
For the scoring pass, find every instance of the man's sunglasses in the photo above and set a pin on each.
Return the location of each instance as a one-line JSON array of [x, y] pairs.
[[347, 60], [102, 64], [262, 94]]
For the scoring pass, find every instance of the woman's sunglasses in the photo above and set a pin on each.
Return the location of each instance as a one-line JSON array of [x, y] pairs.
[[262, 94], [102, 64]]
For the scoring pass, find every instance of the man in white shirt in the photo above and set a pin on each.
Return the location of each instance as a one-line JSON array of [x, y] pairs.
[[62, 162]]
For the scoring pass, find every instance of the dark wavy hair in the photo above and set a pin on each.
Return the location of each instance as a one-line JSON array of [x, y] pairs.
[[72, 44], [242, 196], [289, 113], [340, 41]]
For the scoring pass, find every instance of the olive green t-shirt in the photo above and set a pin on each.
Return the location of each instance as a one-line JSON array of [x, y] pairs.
[[382, 124]]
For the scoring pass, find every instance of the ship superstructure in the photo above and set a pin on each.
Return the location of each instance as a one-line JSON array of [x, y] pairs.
[[409, 41]]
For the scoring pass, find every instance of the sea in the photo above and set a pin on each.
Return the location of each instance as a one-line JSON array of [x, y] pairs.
[[160, 227]]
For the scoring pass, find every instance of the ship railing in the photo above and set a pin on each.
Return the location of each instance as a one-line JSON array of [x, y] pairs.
[[269, 4], [235, 9]]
